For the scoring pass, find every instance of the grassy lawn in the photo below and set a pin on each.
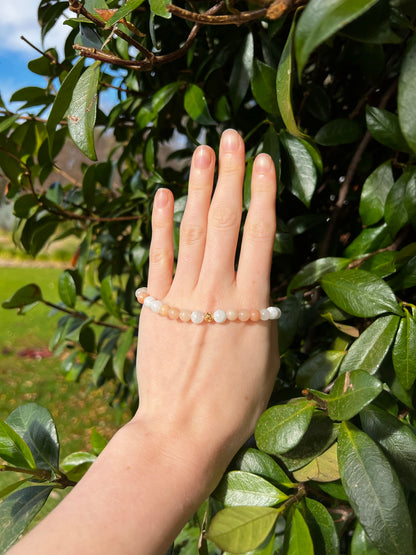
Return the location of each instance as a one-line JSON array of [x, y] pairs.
[[75, 407]]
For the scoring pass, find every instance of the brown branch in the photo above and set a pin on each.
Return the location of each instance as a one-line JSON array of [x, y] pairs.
[[393, 247], [46, 54]]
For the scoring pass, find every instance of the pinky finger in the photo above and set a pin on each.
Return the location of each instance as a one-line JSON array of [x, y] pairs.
[[161, 247]]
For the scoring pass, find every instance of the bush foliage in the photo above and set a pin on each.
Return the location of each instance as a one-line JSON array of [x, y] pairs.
[[328, 89]]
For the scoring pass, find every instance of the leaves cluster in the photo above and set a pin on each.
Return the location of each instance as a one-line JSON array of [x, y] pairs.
[[329, 92]]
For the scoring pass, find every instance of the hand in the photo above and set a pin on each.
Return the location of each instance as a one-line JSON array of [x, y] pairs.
[[210, 382]]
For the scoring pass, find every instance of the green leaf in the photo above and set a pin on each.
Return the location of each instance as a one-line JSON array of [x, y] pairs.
[[76, 464], [351, 392], [406, 96], [284, 85], [369, 350], [121, 353], [239, 488], [241, 529], [6, 123], [384, 127], [10, 488], [338, 131], [303, 175], [108, 297], [24, 296], [242, 72], [410, 198], [67, 289], [404, 351], [82, 110], [23, 205], [35, 425], [322, 19], [313, 271], [14, 449], [281, 427], [196, 105], [322, 528], [257, 462], [368, 241], [360, 293], [271, 146], [299, 541], [374, 492], [395, 213], [375, 190], [98, 441], [324, 468], [18, 510], [62, 101], [381, 264], [263, 87], [319, 370], [397, 440], [361, 543], [124, 11], [158, 7]]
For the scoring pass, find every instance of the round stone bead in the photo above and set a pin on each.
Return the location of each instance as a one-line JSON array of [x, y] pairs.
[[140, 290], [164, 309], [274, 312], [141, 296], [243, 315], [254, 315], [155, 306], [197, 317], [185, 315], [220, 316], [148, 301], [264, 314], [173, 313], [231, 315]]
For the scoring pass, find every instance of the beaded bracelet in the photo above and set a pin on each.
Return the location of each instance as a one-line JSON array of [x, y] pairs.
[[198, 317]]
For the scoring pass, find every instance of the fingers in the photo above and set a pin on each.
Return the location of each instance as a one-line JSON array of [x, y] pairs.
[[161, 247], [259, 229], [194, 222], [225, 212]]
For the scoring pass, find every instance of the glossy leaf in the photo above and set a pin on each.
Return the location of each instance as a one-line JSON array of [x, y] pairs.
[[121, 354], [67, 289], [368, 241], [381, 264], [407, 95], [299, 541], [98, 441], [374, 492], [410, 197], [108, 297], [396, 438], [14, 449], [369, 350], [158, 7], [263, 86], [319, 369], [374, 194], [24, 296], [302, 168], [395, 213], [404, 351], [338, 131], [35, 425], [76, 464], [361, 543], [257, 462], [322, 469], [242, 72], [384, 127], [239, 488], [313, 271], [322, 528], [82, 110], [18, 510], [320, 20], [62, 101], [281, 427], [196, 105], [360, 293], [124, 11], [241, 529]]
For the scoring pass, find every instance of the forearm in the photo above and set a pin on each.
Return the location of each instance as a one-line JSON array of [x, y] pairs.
[[134, 499]]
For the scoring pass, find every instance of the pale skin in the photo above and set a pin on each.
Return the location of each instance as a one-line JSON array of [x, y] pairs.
[[202, 387]]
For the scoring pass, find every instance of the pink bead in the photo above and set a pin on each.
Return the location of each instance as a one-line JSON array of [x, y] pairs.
[[173, 313], [141, 296], [164, 309], [232, 315], [185, 315], [243, 315], [254, 315]]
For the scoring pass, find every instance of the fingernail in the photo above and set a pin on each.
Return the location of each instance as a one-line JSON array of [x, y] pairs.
[[230, 140], [263, 162], [202, 157], [162, 198]]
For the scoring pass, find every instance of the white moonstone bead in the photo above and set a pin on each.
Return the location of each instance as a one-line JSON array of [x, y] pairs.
[[274, 312], [140, 290], [220, 316], [148, 301], [264, 314], [155, 305], [197, 317]]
